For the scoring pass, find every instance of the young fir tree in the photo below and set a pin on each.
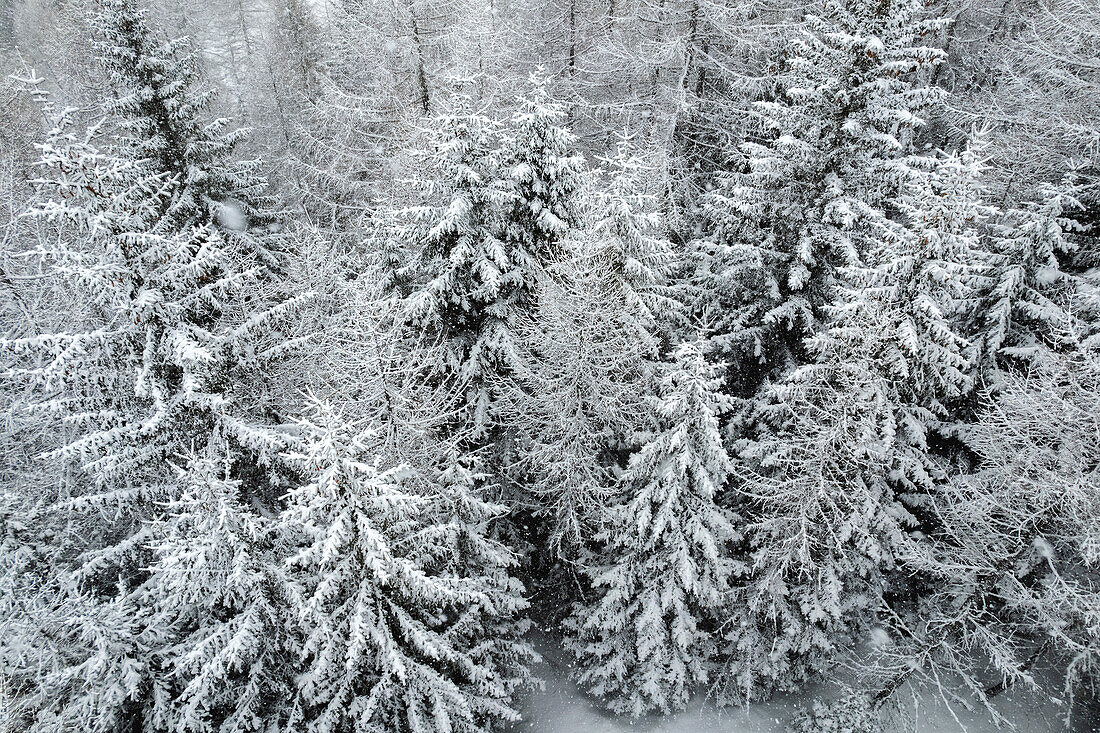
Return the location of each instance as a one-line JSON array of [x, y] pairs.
[[647, 639], [459, 544], [1027, 292], [831, 155], [216, 582], [822, 525], [398, 630], [831, 486], [472, 279], [545, 174]]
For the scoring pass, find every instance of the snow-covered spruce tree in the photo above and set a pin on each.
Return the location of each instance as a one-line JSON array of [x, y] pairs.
[[540, 162], [831, 155], [162, 111], [471, 279], [458, 543], [660, 578], [1027, 293], [107, 671], [169, 330], [848, 436], [846, 445], [604, 316], [168, 343], [922, 276], [576, 410], [216, 582], [29, 611], [397, 629], [499, 217], [821, 524]]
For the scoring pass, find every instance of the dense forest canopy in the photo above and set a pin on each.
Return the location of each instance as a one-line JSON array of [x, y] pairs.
[[354, 350]]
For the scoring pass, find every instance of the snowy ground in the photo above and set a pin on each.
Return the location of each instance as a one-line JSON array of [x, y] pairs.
[[561, 708]]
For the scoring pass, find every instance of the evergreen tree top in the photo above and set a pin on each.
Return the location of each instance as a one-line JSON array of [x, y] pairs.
[[162, 107], [539, 154]]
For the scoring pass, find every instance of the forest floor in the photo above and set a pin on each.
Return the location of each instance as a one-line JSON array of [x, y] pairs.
[[561, 707]]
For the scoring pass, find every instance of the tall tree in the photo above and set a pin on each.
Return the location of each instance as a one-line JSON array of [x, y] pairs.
[[472, 279], [830, 154], [165, 343], [176, 330], [832, 485], [163, 110], [395, 632], [924, 278], [660, 579]]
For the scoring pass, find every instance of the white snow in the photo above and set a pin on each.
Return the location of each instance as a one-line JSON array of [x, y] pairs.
[[231, 216], [561, 707]]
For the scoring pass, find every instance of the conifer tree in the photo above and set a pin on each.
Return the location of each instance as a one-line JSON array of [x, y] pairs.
[[169, 331], [170, 341], [389, 639], [216, 582], [162, 110], [660, 580], [626, 232], [1027, 292], [459, 543], [504, 214], [587, 339], [832, 152], [832, 483], [545, 174], [822, 526], [109, 673], [923, 277], [472, 279], [93, 651]]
